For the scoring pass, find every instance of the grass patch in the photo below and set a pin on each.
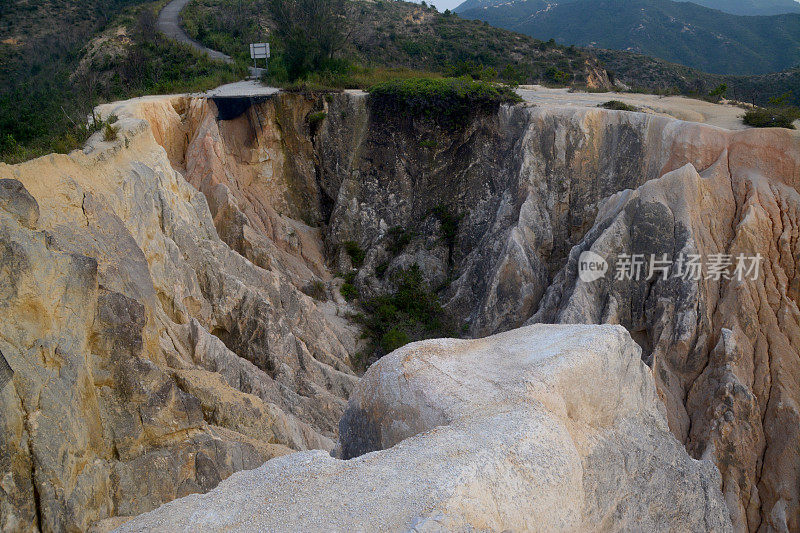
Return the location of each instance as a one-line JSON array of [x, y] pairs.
[[346, 76], [428, 143], [315, 121], [447, 100], [316, 290], [349, 291], [616, 105]]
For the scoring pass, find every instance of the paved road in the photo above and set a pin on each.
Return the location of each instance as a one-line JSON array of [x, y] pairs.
[[169, 24]]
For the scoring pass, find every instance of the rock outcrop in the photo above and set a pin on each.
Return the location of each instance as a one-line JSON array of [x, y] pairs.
[[149, 359], [171, 313], [546, 428], [724, 352], [533, 188]]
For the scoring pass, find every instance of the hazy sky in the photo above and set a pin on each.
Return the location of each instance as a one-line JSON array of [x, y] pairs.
[[441, 5]]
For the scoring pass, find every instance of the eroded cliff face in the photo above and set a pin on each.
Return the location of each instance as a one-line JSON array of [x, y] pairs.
[[536, 187], [122, 313], [184, 346]]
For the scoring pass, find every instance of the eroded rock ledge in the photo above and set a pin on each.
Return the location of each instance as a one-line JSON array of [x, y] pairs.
[[544, 428]]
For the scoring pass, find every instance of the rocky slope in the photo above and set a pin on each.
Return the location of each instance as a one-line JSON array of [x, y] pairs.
[[157, 318], [464, 428]]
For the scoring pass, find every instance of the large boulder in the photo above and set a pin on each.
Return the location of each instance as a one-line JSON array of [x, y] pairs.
[[546, 428]]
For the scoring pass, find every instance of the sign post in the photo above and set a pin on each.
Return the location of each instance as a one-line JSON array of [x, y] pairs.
[[259, 51]]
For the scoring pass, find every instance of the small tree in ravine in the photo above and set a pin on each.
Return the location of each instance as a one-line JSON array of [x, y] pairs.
[[311, 31]]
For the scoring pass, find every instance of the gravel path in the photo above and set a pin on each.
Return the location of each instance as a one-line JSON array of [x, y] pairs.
[[169, 24]]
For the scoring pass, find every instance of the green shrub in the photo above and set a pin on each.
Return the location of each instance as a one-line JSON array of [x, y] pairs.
[[349, 291], [428, 143], [311, 31], [394, 339], [718, 93], [398, 238], [557, 76], [315, 119], [110, 133], [411, 312], [449, 223], [381, 269], [772, 117], [355, 252], [616, 105], [316, 289]]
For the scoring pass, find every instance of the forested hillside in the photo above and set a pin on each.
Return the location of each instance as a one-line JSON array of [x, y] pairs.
[[680, 32]]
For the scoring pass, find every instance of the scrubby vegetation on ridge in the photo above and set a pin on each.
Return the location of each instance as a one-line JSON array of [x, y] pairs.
[[401, 39], [616, 105], [777, 114], [385, 36], [656, 76], [54, 73], [447, 100]]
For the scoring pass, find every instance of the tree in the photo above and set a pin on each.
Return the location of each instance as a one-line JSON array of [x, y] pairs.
[[717, 94], [311, 31]]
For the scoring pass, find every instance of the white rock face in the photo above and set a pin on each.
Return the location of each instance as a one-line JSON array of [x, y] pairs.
[[543, 428]]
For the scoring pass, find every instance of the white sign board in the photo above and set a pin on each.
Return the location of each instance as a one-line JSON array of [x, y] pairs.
[[259, 50]]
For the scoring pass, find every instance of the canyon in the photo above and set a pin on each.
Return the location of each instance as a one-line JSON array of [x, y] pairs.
[[172, 314]]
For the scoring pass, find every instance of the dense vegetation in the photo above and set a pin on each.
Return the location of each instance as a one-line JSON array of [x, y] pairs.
[[682, 32], [407, 308], [55, 72], [446, 100], [616, 105], [778, 113], [408, 313], [388, 38]]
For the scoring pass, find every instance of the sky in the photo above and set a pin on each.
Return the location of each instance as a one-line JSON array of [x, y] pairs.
[[441, 5]]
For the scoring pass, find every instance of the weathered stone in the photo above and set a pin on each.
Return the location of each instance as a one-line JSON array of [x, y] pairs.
[[547, 428], [174, 321], [724, 352], [107, 280]]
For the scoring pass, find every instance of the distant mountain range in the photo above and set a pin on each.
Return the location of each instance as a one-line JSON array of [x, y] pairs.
[[734, 7], [681, 32], [751, 7]]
